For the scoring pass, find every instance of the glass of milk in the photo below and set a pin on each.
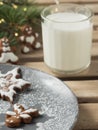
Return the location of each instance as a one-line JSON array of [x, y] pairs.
[[67, 37]]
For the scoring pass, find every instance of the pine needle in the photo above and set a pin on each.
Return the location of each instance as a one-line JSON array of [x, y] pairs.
[[16, 13]]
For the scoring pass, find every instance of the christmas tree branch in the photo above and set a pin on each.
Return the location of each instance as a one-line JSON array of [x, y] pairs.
[[16, 13]]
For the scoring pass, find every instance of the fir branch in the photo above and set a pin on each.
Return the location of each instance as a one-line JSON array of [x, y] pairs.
[[13, 15], [18, 2]]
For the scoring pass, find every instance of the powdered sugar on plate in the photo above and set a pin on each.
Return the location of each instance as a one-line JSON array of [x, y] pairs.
[[55, 101]]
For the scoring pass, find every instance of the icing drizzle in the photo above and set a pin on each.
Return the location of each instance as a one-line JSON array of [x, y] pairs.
[[11, 81]]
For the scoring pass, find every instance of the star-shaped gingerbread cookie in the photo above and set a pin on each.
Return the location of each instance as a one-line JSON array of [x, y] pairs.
[[11, 83], [20, 115]]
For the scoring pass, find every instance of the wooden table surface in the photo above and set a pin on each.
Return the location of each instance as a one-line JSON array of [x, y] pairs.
[[84, 84]]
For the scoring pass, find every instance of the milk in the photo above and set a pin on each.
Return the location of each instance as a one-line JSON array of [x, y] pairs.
[[67, 39]]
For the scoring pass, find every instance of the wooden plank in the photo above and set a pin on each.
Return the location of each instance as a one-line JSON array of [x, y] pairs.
[[94, 50], [95, 21], [88, 117], [34, 55], [64, 1], [92, 4], [93, 7], [37, 55], [95, 35], [85, 91], [90, 73]]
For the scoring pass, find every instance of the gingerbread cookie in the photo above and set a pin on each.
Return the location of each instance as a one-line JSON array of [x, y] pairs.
[[6, 54], [29, 39], [11, 83], [20, 115]]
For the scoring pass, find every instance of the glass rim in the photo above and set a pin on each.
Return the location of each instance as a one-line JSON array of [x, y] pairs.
[[51, 6]]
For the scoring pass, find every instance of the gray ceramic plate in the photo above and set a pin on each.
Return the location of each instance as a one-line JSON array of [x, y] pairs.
[[48, 94]]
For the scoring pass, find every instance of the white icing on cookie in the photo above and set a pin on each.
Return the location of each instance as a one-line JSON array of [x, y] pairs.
[[30, 39], [36, 34], [5, 57], [6, 54], [11, 121], [17, 107], [29, 110], [22, 38], [10, 113], [7, 120], [26, 49], [38, 45], [20, 114], [17, 117], [8, 82], [24, 116], [5, 49]]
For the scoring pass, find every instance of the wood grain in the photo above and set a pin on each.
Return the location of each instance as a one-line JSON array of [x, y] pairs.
[[86, 91], [37, 55], [90, 73], [95, 20], [64, 1], [88, 117], [95, 35], [92, 6]]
